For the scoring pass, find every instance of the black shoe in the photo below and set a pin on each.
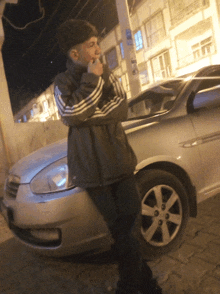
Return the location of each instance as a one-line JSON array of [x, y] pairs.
[[125, 288], [151, 287]]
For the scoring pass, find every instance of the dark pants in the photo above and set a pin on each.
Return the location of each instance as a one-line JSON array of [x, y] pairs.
[[120, 205]]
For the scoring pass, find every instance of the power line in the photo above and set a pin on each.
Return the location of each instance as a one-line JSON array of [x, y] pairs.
[[82, 8], [55, 11], [105, 4], [51, 50], [73, 8], [94, 8], [41, 9], [47, 24], [37, 39], [41, 33]]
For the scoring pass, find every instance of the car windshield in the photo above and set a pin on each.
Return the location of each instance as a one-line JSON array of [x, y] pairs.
[[157, 99]]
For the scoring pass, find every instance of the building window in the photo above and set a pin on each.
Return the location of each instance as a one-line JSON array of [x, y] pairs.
[[202, 48], [45, 103], [49, 103], [205, 2], [138, 40], [182, 9], [162, 66], [206, 46], [122, 50], [28, 115], [111, 58], [155, 29], [24, 118], [143, 73], [196, 51], [40, 108]]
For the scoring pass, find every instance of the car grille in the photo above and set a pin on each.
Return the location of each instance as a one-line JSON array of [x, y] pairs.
[[11, 189]]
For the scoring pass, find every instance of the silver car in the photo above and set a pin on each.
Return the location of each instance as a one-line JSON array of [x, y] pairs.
[[174, 129]]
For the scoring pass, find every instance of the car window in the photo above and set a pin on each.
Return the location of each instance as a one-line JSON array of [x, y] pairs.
[[208, 95], [156, 100], [208, 98], [146, 107]]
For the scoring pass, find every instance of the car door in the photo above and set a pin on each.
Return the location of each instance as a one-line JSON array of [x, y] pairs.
[[206, 121]]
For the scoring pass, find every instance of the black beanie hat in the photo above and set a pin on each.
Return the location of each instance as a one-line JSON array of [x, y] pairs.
[[73, 32]]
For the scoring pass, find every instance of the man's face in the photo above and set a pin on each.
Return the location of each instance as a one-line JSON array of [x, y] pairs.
[[89, 51]]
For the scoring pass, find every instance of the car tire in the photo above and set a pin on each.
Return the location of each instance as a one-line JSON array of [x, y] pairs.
[[164, 212]]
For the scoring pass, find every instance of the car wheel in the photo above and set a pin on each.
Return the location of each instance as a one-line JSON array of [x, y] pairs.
[[164, 214]]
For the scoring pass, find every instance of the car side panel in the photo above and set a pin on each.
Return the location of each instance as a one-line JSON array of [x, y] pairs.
[[207, 128], [166, 140]]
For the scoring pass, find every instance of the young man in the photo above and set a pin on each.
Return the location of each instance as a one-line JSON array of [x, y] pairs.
[[93, 103]]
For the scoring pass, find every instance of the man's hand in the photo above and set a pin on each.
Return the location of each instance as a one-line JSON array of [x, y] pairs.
[[95, 67]]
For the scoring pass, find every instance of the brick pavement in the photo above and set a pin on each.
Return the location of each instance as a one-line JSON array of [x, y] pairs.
[[192, 269]]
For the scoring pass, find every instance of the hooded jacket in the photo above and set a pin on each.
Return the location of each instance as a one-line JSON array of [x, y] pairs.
[[93, 108]]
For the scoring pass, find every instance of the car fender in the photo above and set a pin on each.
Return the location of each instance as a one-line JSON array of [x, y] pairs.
[[162, 159], [175, 166]]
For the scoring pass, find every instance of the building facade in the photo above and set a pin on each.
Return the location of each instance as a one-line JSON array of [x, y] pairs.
[[40, 109], [172, 38]]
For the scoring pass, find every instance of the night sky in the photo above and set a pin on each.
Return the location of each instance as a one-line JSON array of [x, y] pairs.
[[31, 55]]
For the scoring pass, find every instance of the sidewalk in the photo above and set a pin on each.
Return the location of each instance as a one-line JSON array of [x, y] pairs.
[[193, 269]]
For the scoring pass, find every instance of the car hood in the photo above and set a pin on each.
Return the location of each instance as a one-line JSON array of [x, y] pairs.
[[27, 167]]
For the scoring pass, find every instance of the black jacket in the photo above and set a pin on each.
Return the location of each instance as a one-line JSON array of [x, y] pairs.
[[93, 107]]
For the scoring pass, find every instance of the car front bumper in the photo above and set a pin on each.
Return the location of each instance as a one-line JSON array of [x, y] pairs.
[[56, 224]]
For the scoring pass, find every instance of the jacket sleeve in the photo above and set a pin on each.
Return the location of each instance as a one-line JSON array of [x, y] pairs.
[[113, 107], [76, 105]]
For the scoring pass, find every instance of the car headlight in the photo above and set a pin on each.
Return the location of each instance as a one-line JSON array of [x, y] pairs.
[[53, 178]]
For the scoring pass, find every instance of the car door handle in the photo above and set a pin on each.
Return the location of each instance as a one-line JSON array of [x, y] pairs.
[[192, 143], [200, 140]]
